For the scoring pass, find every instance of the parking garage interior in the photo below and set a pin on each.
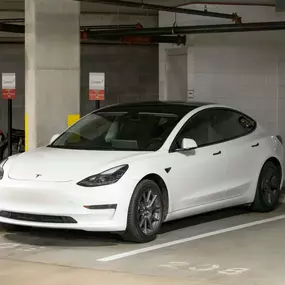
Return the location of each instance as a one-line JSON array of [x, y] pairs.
[[229, 52]]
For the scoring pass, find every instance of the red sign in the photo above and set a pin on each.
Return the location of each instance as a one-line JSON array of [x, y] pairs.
[[96, 95], [8, 85], [8, 93]]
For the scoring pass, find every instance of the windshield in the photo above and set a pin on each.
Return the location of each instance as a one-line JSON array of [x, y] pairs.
[[130, 130]]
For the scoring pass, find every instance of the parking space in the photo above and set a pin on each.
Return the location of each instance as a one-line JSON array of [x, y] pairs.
[[225, 247], [150, 155]]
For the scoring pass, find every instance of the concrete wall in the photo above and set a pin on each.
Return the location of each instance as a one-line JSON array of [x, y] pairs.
[[243, 70], [131, 75]]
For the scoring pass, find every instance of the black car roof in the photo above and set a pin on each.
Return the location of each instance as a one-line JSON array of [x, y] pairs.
[[163, 103], [162, 106]]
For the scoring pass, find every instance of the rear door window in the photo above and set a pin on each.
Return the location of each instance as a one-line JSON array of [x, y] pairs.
[[230, 124], [199, 128], [214, 126]]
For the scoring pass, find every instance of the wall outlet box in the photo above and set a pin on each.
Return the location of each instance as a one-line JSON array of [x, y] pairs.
[[190, 94]]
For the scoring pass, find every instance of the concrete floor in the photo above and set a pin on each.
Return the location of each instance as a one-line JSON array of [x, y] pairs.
[[248, 256]]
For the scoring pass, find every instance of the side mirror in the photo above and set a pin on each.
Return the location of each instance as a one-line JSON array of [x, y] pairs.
[[188, 144], [54, 137]]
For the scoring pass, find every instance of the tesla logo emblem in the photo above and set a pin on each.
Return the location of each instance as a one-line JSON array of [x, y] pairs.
[[38, 175]]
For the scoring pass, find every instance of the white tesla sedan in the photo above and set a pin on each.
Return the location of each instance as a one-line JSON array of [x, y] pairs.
[[128, 168]]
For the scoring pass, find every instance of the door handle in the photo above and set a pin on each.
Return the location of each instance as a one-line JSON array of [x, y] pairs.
[[217, 153], [255, 145]]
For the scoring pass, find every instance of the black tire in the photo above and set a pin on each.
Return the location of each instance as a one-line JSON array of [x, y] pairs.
[[144, 222], [268, 189], [13, 228]]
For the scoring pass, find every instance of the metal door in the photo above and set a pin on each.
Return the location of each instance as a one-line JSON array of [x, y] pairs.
[[176, 75]]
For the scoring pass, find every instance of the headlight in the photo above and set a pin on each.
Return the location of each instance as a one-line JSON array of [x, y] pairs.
[[107, 177], [2, 168]]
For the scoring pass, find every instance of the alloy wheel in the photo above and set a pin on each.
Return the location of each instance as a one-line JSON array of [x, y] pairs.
[[149, 212], [270, 187]]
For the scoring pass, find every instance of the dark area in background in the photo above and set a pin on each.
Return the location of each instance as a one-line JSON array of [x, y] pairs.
[[131, 75]]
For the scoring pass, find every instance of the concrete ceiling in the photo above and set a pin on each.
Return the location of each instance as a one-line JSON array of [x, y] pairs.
[[18, 5]]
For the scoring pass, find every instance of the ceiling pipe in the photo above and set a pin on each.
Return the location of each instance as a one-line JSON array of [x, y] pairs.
[[238, 3], [103, 13], [178, 40], [21, 41], [108, 27], [5, 26], [202, 29], [162, 31], [117, 43], [95, 27], [141, 5], [12, 20], [12, 28]]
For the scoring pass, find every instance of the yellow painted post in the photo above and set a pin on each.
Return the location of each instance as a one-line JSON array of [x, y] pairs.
[[26, 132], [72, 119]]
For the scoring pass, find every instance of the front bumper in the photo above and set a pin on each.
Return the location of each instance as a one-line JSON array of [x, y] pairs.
[[48, 200]]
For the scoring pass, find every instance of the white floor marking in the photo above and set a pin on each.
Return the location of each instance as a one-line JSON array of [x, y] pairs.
[[233, 271], [204, 267], [20, 247], [180, 241], [174, 264], [9, 245]]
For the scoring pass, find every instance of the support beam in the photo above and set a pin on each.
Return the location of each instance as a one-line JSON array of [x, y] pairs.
[[52, 49], [141, 5]]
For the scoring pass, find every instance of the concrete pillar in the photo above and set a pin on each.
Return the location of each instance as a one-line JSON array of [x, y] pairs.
[[52, 50]]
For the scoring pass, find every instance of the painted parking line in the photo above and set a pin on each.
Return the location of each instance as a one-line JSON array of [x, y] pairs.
[[184, 240]]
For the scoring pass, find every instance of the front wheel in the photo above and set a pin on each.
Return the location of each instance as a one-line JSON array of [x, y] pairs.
[[145, 214], [268, 188]]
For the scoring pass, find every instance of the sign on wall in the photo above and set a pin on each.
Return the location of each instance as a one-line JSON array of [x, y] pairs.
[[8, 85], [97, 86]]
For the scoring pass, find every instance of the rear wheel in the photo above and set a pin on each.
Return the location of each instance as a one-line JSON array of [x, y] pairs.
[[145, 214], [268, 188]]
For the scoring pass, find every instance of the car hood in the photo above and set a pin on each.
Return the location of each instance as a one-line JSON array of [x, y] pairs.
[[63, 165]]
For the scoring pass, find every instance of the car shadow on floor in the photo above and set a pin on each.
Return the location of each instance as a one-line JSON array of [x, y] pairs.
[[203, 219], [62, 238], [74, 238]]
